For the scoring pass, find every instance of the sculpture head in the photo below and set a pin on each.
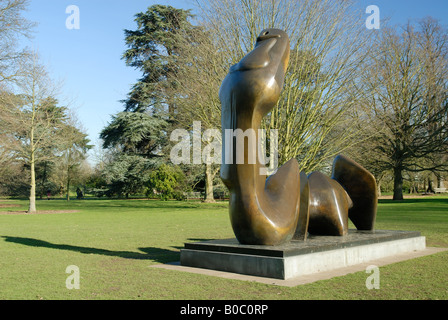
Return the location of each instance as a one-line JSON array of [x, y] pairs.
[[271, 53]]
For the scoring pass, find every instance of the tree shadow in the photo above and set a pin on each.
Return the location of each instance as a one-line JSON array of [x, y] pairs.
[[149, 253]]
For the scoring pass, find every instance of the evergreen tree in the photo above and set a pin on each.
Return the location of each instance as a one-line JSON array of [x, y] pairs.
[[139, 134], [153, 49]]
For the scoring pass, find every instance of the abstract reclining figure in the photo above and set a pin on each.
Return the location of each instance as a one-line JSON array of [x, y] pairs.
[[273, 210]]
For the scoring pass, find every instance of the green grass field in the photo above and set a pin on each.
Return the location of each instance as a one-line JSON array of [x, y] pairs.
[[114, 243]]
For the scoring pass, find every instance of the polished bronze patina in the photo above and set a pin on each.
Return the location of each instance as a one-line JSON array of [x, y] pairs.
[[329, 204], [262, 211], [361, 186], [304, 217], [288, 204]]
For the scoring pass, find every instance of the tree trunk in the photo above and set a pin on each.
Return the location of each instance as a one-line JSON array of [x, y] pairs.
[[439, 181], [430, 189], [209, 183], [68, 184], [32, 207], [412, 187], [398, 184], [44, 180], [378, 185]]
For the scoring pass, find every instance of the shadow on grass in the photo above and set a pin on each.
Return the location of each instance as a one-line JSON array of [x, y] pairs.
[[200, 239], [150, 253]]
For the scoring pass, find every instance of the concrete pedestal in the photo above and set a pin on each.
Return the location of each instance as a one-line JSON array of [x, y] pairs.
[[298, 258]]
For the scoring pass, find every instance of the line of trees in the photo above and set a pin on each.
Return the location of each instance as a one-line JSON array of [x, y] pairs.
[[406, 103], [379, 96]]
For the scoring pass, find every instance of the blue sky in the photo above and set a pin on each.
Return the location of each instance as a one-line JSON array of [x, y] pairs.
[[401, 10], [88, 61]]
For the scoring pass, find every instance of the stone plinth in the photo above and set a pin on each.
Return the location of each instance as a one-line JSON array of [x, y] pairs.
[[297, 258]]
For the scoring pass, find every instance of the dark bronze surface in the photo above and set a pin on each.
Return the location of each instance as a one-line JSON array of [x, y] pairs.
[[302, 225], [262, 210], [328, 207], [287, 205], [361, 186]]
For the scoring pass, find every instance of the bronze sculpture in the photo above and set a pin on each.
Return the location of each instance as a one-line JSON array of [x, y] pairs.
[[288, 204]]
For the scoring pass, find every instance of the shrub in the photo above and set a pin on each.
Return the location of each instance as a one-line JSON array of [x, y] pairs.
[[165, 181]]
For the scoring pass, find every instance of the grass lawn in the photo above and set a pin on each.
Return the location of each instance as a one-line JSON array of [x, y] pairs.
[[113, 242]]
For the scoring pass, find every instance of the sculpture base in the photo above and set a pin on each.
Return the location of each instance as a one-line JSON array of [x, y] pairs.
[[298, 258]]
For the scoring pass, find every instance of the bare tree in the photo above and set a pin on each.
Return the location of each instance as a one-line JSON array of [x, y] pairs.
[[329, 46], [407, 100], [202, 68], [12, 27], [7, 156], [32, 119]]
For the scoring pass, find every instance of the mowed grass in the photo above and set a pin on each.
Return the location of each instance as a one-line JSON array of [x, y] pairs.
[[115, 242]]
